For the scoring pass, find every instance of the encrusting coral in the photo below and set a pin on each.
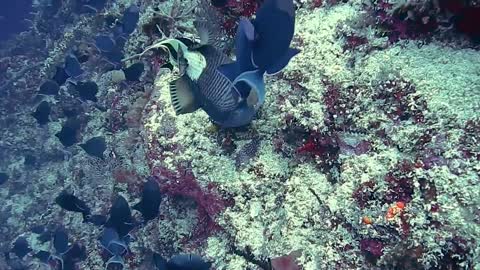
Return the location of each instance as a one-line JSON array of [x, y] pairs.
[[364, 154]]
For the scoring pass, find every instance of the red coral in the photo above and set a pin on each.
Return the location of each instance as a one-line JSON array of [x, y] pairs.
[[243, 8], [209, 203], [456, 254], [323, 147], [233, 10], [406, 22], [353, 41], [466, 16], [469, 140], [342, 106]]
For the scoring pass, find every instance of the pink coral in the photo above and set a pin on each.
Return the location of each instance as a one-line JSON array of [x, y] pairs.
[[286, 262]]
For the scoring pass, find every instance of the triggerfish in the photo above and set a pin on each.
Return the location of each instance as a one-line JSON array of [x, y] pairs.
[[231, 92]]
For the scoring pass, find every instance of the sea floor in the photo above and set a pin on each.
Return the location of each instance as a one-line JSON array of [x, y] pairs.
[[365, 154]]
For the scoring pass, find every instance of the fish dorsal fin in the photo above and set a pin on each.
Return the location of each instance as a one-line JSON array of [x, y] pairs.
[[183, 98], [203, 32], [164, 44]]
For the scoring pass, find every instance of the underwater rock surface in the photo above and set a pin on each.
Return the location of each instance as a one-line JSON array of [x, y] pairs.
[[363, 155]]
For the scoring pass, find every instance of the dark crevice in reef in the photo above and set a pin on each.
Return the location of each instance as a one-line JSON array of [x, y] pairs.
[[249, 257]]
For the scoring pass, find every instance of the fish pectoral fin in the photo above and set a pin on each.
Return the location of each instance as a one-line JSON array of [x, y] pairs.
[[181, 93], [282, 62], [203, 32]]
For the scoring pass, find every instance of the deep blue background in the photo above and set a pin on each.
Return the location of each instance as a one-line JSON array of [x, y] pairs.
[[12, 17]]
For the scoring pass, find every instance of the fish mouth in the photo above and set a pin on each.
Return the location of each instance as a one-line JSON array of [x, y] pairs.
[[115, 260], [254, 79]]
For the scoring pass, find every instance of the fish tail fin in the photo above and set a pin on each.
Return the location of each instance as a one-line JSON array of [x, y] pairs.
[[116, 259], [138, 206], [182, 96]]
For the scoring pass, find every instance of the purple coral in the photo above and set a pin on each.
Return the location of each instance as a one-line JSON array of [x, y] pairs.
[[233, 10], [365, 194], [372, 248], [400, 183], [409, 21]]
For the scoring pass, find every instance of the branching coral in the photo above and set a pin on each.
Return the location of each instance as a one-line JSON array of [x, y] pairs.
[[209, 204]]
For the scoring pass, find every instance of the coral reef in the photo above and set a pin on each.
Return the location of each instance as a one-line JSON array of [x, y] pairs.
[[364, 155]]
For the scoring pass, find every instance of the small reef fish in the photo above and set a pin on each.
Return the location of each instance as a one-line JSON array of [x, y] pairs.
[[150, 202], [120, 217], [21, 247], [70, 202], [115, 245], [95, 147]]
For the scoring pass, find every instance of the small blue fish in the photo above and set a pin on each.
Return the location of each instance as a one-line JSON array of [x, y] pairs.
[[42, 113], [120, 217], [60, 241], [115, 245], [105, 43], [130, 19], [21, 247], [72, 66], [151, 198], [181, 262], [187, 262], [70, 202], [111, 242]]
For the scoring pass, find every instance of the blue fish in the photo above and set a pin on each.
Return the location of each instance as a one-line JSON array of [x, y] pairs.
[[115, 245], [181, 262], [151, 198], [271, 48], [72, 66], [120, 217], [187, 262], [259, 44], [105, 43]]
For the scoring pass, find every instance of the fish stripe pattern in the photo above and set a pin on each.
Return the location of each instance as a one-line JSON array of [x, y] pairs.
[[214, 86]]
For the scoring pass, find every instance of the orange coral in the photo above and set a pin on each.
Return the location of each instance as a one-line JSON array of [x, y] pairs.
[[367, 220], [394, 210]]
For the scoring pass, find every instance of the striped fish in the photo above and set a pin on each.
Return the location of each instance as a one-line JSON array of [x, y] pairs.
[[229, 103]]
